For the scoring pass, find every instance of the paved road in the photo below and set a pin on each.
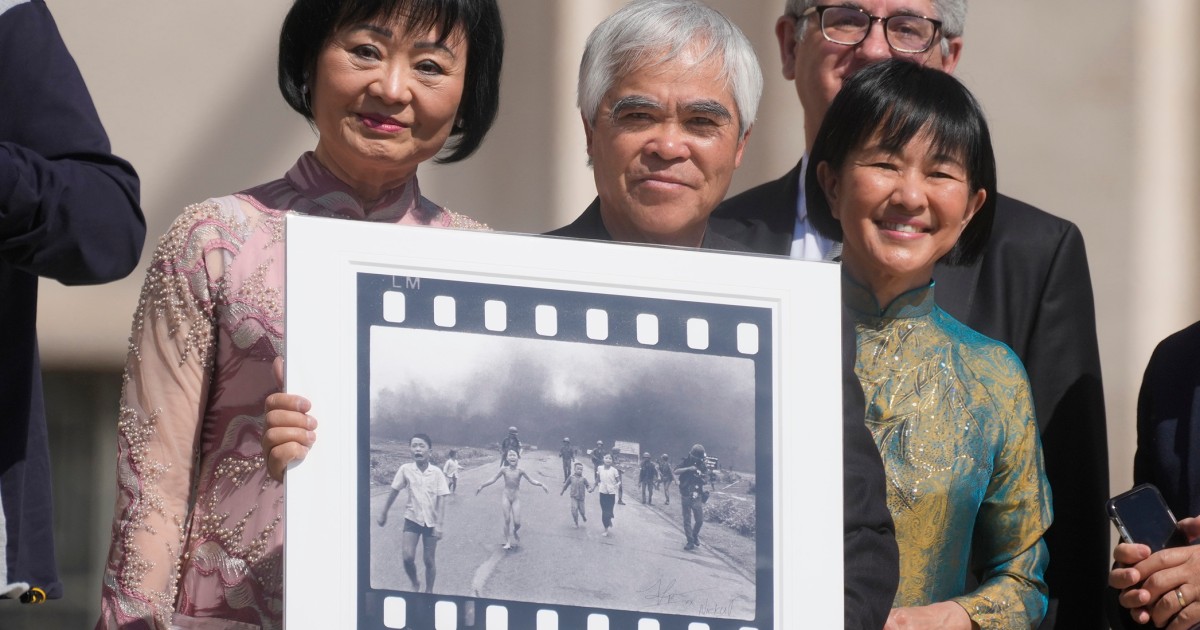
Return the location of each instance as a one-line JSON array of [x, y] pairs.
[[642, 566]]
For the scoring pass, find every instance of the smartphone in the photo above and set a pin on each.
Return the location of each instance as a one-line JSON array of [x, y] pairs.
[[1142, 516]]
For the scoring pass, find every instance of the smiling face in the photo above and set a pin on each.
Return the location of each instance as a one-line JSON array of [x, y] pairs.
[[819, 67], [664, 147], [384, 100], [900, 212]]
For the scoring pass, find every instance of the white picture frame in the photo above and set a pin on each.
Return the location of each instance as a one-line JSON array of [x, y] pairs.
[[692, 342]]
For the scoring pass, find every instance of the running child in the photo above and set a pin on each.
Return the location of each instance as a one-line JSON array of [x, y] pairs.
[[579, 486], [510, 502], [451, 469], [609, 485], [426, 486]]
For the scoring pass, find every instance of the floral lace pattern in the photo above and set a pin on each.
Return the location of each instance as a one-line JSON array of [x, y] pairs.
[[198, 526]]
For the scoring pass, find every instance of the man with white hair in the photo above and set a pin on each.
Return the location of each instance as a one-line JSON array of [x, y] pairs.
[[1030, 290], [668, 93]]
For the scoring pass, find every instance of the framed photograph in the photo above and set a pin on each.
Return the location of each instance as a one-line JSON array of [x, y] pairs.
[[531, 432]]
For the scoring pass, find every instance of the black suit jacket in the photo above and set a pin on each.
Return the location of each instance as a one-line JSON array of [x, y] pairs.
[[1168, 422], [871, 559], [1032, 291], [1168, 431], [590, 225]]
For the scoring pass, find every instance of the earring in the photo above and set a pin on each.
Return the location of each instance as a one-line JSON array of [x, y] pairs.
[[459, 123], [305, 98]]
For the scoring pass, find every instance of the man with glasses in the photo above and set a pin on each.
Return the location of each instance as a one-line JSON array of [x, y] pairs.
[[1031, 289]]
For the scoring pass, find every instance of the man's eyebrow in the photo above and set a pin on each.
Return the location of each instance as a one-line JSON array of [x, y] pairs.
[[901, 11], [633, 101], [710, 107]]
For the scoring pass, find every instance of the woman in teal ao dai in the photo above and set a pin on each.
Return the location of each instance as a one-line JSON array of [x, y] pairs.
[[904, 175]]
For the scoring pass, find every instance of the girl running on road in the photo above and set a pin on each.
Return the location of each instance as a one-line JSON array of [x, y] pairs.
[[510, 502], [609, 484]]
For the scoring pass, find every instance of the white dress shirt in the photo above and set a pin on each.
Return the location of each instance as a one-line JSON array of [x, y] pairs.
[[807, 244]]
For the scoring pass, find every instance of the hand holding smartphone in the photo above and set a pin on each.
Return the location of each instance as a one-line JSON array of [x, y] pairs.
[[1142, 516]]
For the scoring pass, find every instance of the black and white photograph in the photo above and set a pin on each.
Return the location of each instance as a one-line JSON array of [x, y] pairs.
[[629, 437], [558, 470]]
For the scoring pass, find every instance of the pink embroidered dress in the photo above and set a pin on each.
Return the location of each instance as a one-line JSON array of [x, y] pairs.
[[198, 532]]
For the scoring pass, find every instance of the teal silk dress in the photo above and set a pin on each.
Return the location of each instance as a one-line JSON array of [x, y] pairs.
[[952, 415]]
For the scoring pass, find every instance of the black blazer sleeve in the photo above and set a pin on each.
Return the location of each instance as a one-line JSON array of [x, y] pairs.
[[871, 559], [68, 207]]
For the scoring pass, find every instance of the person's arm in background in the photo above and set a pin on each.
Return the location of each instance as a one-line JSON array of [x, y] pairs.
[[68, 207]]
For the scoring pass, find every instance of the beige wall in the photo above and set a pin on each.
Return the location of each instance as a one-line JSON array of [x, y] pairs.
[[1090, 107]]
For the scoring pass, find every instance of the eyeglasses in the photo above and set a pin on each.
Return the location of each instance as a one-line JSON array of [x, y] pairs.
[[850, 26]]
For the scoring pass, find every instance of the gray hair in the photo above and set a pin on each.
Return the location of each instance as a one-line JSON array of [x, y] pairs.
[[653, 32], [952, 13]]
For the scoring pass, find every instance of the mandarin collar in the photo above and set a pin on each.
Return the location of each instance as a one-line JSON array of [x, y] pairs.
[[317, 183], [916, 302]]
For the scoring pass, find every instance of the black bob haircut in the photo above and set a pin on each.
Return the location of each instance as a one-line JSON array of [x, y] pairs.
[[310, 24], [422, 437], [897, 100]]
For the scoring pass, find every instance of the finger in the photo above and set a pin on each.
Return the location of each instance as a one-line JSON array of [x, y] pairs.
[[278, 436], [1163, 560], [1170, 606], [1130, 554], [1135, 598], [1140, 615], [1187, 618], [1123, 578], [1190, 528], [280, 401], [279, 457], [1174, 567], [289, 420], [277, 368]]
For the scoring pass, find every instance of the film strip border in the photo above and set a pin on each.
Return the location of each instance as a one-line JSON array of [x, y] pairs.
[[661, 323], [566, 315]]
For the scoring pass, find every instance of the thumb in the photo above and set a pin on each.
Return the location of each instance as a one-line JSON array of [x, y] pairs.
[[1190, 528]]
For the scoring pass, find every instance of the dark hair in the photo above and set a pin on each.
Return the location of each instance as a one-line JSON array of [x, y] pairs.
[[311, 23], [897, 100], [422, 436], [452, 453]]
